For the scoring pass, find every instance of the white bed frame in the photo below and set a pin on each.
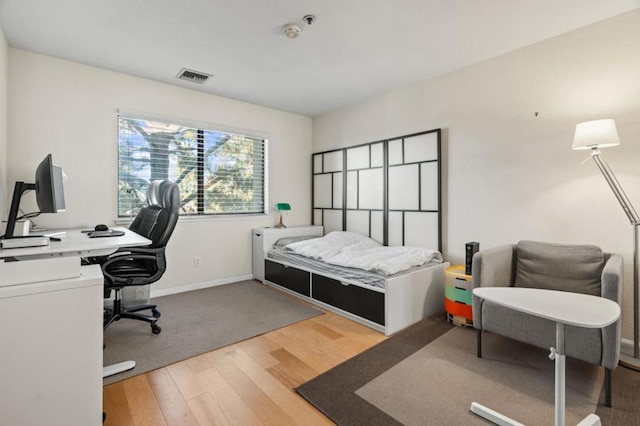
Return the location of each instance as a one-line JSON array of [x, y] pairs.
[[408, 298], [389, 190]]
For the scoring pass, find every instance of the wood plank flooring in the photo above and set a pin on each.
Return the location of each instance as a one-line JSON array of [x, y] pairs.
[[248, 383]]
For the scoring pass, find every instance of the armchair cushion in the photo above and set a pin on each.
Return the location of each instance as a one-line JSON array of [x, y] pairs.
[[574, 268]]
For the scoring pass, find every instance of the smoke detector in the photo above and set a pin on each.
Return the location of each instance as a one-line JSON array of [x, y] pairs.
[[193, 76], [291, 31]]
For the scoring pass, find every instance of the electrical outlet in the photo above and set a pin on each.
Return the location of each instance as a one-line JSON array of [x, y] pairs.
[[197, 261]]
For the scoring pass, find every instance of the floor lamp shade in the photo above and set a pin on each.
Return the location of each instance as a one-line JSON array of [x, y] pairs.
[[601, 134], [596, 134]]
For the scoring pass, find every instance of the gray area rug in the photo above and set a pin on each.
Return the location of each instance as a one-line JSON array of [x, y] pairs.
[[334, 392], [200, 321], [438, 383]]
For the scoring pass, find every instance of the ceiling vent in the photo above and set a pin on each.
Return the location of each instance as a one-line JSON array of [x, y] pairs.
[[193, 76]]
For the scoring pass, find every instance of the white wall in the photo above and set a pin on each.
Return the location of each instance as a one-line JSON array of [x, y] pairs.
[[69, 110], [4, 63], [509, 175]]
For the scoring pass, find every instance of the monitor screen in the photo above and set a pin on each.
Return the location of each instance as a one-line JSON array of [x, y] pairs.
[[49, 187], [49, 193]]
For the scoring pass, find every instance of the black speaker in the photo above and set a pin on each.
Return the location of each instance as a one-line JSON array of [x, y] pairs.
[[470, 249]]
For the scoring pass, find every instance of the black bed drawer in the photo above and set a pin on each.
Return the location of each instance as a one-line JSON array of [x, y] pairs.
[[289, 277], [360, 301]]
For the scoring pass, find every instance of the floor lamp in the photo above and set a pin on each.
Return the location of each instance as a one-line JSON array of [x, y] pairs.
[[594, 135]]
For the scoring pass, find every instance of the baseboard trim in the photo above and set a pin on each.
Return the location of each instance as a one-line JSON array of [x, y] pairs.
[[198, 286], [626, 345]]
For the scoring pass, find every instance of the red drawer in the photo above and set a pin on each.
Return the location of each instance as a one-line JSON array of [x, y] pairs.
[[457, 308]]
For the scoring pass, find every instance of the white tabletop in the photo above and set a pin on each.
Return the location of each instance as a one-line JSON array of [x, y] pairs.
[[577, 309], [76, 243]]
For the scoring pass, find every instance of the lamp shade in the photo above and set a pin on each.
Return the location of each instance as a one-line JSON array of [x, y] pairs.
[[283, 206], [596, 134]]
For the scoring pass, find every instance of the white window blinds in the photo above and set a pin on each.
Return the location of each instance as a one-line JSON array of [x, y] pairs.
[[218, 172]]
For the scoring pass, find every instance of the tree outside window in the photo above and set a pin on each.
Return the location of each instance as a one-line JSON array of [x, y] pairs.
[[218, 172]]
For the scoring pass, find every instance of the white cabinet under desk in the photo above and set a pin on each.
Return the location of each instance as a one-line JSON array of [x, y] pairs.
[[51, 351], [51, 312], [263, 240]]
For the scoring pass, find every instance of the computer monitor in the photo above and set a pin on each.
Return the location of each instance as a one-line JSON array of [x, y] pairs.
[[49, 193], [49, 187]]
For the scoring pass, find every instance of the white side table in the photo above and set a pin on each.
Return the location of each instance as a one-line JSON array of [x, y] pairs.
[[563, 307]]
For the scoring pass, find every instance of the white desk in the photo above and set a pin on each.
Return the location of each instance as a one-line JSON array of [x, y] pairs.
[[51, 333], [76, 243], [564, 308]]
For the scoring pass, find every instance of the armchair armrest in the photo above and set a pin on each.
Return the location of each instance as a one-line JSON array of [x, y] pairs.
[[612, 275], [494, 267], [612, 280]]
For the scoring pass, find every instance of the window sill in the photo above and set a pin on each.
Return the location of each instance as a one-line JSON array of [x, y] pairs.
[[201, 218]]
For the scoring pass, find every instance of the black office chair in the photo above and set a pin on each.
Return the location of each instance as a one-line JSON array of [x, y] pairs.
[[143, 265]]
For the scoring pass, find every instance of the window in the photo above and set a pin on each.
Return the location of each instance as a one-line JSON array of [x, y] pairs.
[[218, 172]]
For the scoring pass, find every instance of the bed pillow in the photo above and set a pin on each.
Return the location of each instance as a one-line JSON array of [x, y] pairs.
[[574, 268], [288, 240]]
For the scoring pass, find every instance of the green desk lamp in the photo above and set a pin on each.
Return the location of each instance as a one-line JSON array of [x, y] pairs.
[[282, 207]]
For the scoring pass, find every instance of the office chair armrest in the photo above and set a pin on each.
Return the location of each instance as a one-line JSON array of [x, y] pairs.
[[154, 275], [145, 250], [137, 250], [124, 251]]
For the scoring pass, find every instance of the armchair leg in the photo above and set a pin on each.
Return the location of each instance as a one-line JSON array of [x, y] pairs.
[[479, 343], [607, 386]]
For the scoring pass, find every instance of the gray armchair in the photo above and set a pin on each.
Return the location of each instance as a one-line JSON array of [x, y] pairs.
[[576, 268]]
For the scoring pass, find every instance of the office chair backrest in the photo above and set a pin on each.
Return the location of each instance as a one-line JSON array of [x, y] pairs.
[[158, 220]]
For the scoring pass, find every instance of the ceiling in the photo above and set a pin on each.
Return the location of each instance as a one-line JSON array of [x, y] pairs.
[[355, 50]]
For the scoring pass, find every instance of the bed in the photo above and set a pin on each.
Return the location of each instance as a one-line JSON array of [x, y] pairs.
[[386, 300], [389, 191]]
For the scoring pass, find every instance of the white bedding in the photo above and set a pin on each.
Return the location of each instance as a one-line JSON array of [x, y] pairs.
[[358, 251]]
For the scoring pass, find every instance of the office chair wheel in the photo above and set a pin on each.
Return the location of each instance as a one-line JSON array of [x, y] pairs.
[[155, 329], [156, 313]]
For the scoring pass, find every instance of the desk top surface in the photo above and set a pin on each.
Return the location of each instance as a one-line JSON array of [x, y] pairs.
[[577, 309], [76, 243]]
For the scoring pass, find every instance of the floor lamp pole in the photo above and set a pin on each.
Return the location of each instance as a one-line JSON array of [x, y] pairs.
[[636, 332], [626, 360]]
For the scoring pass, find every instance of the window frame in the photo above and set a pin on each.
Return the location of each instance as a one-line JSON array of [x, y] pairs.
[[200, 128]]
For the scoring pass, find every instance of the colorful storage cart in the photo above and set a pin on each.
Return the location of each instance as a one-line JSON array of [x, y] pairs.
[[457, 296]]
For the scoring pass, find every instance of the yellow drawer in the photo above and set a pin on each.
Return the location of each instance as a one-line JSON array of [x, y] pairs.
[[455, 277]]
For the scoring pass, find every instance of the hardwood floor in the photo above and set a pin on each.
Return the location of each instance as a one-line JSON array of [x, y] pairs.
[[248, 383]]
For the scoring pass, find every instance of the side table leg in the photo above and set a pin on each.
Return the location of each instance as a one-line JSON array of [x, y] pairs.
[[560, 375], [590, 420], [493, 416], [112, 369]]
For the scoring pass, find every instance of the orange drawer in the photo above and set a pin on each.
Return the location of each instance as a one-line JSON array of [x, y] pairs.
[[457, 308]]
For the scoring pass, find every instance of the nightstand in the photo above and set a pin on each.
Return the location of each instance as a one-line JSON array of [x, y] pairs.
[[458, 296], [263, 239]]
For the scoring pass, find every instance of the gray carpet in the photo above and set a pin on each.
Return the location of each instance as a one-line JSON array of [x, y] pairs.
[[334, 392], [438, 383], [200, 321]]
